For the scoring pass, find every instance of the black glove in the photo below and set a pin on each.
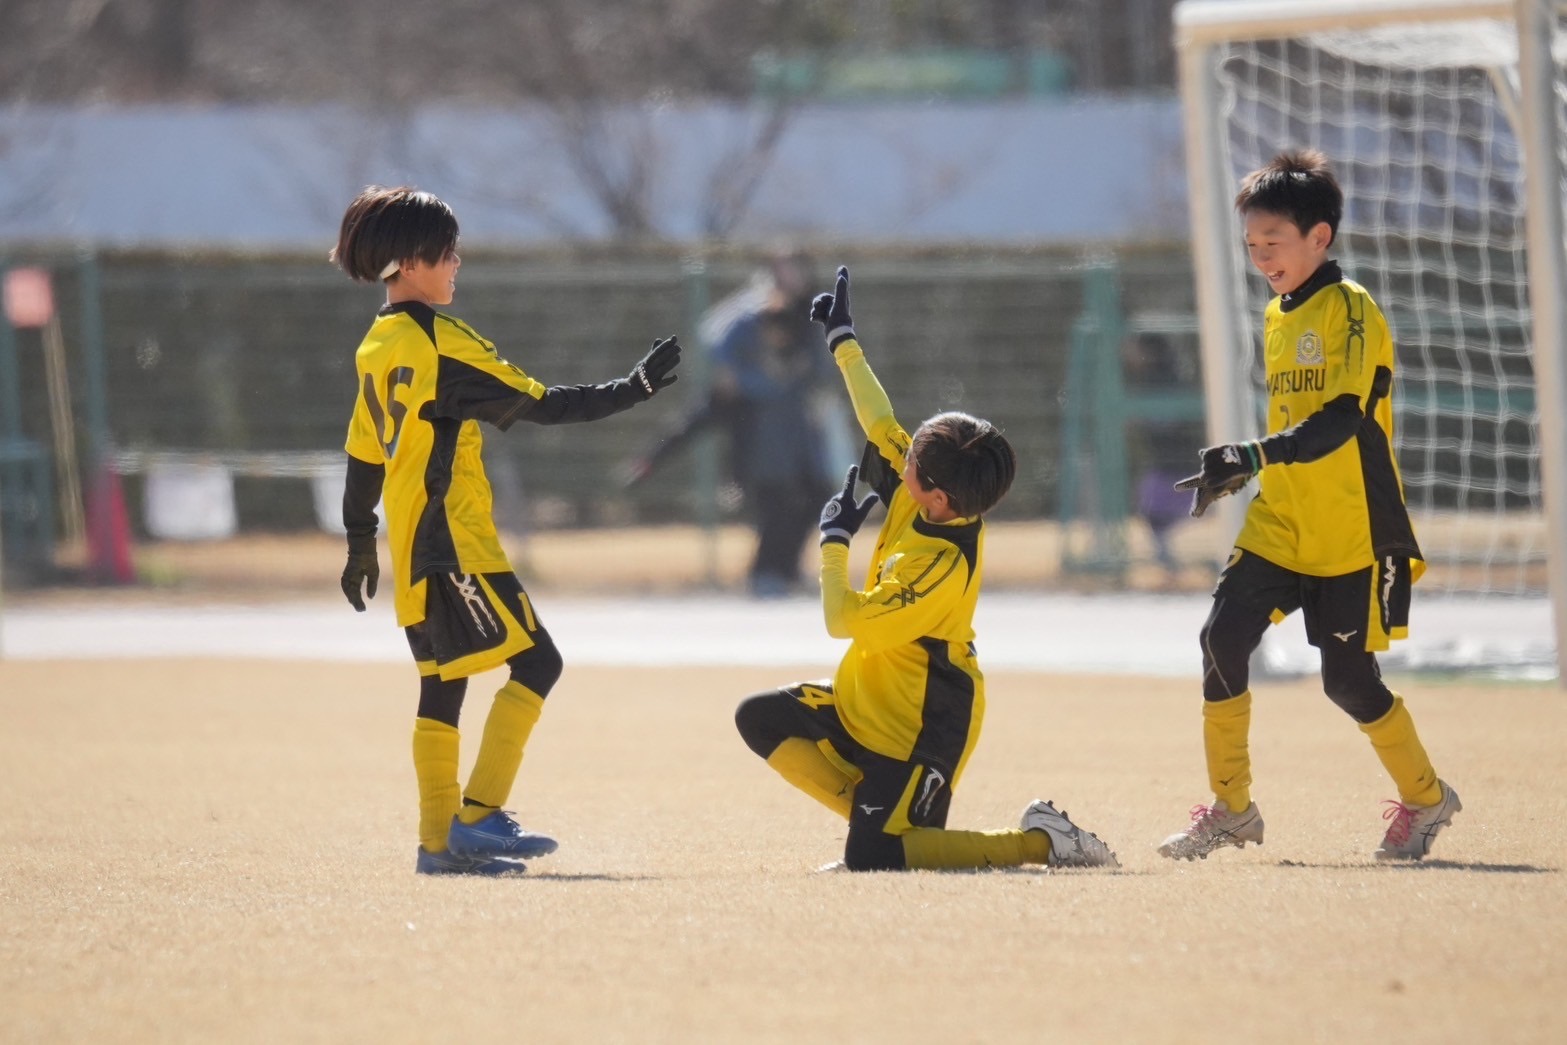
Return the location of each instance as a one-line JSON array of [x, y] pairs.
[[841, 517], [832, 312], [362, 566], [657, 367], [1225, 469]]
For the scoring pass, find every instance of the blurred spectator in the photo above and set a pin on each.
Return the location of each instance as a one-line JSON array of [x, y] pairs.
[[769, 374], [1165, 449]]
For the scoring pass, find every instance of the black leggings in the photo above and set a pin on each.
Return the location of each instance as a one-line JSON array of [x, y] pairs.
[[1350, 675], [538, 667]]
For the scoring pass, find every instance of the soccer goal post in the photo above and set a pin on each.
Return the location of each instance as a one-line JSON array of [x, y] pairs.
[[1444, 121]]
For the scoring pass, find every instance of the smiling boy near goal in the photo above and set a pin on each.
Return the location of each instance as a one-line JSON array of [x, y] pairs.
[[1328, 532]]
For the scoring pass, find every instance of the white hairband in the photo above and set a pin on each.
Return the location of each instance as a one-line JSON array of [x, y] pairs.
[[391, 269]]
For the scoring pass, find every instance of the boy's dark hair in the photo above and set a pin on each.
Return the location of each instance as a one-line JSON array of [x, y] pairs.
[[966, 458], [384, 226], [1299, 184]]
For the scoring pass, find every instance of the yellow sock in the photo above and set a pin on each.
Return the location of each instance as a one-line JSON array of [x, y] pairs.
[[511, 720], [435, 766], [1396, 743], [937, 849], [1226, 727], [808, 768]]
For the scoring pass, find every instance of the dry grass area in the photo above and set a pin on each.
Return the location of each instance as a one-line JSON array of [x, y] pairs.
[[206, 850]]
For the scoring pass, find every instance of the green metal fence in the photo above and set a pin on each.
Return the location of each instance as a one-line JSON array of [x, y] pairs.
[[250, 359]]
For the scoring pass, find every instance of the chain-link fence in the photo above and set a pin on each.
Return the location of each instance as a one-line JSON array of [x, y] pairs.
[[240, 369]]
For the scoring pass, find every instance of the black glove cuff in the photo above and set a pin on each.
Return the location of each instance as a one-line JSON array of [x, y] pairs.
[[361, 543], [641, 382], [1279, 448], [838, 335], [837, 537]]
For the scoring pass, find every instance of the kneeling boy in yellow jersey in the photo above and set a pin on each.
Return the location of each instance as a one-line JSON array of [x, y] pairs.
[[883, 743]]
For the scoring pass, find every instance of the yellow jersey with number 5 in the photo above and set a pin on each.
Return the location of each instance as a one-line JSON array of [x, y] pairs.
[[1345, 511]]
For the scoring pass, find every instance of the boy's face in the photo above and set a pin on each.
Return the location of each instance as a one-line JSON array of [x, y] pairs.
[[432, 284], [1284, 255]]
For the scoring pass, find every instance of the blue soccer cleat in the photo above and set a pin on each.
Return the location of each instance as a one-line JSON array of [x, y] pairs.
[[496, 835], [450, 863]]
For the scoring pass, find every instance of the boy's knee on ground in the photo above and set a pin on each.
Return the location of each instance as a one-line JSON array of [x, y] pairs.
[[872, 849], [759, 724]]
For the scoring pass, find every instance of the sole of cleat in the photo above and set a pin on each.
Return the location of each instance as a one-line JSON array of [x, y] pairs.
[[1203, 856]]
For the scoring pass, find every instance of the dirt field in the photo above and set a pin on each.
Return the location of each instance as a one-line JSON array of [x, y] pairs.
[[206, 850]]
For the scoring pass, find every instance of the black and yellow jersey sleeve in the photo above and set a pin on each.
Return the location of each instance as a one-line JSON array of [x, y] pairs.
[[1344, 510], [474, 383]]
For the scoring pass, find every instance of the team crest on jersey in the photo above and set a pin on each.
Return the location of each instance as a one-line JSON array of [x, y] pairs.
[[1308, 350], [889, 567]]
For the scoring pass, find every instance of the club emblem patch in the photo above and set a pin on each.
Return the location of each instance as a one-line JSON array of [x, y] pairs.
[[1308, 350], [889, 568]]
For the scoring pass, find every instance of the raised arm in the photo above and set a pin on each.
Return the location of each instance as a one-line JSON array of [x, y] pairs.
[[872, 408]]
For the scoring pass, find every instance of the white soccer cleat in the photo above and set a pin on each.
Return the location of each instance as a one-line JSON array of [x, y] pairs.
[[1214, 827], [1070, 845], [1412, 829]]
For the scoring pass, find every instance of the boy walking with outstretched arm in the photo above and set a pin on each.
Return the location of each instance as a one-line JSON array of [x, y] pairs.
[[1328, 533], [424, 381]]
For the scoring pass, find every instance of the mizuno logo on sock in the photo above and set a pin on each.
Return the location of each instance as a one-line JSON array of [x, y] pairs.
[[871, 809], [1345, 636]]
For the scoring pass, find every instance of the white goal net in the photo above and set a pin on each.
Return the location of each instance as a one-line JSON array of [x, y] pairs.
[[1420, 116]]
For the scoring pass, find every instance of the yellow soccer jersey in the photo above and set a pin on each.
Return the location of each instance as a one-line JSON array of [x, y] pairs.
[[910, 681], [425, 380], [1341, 512]]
